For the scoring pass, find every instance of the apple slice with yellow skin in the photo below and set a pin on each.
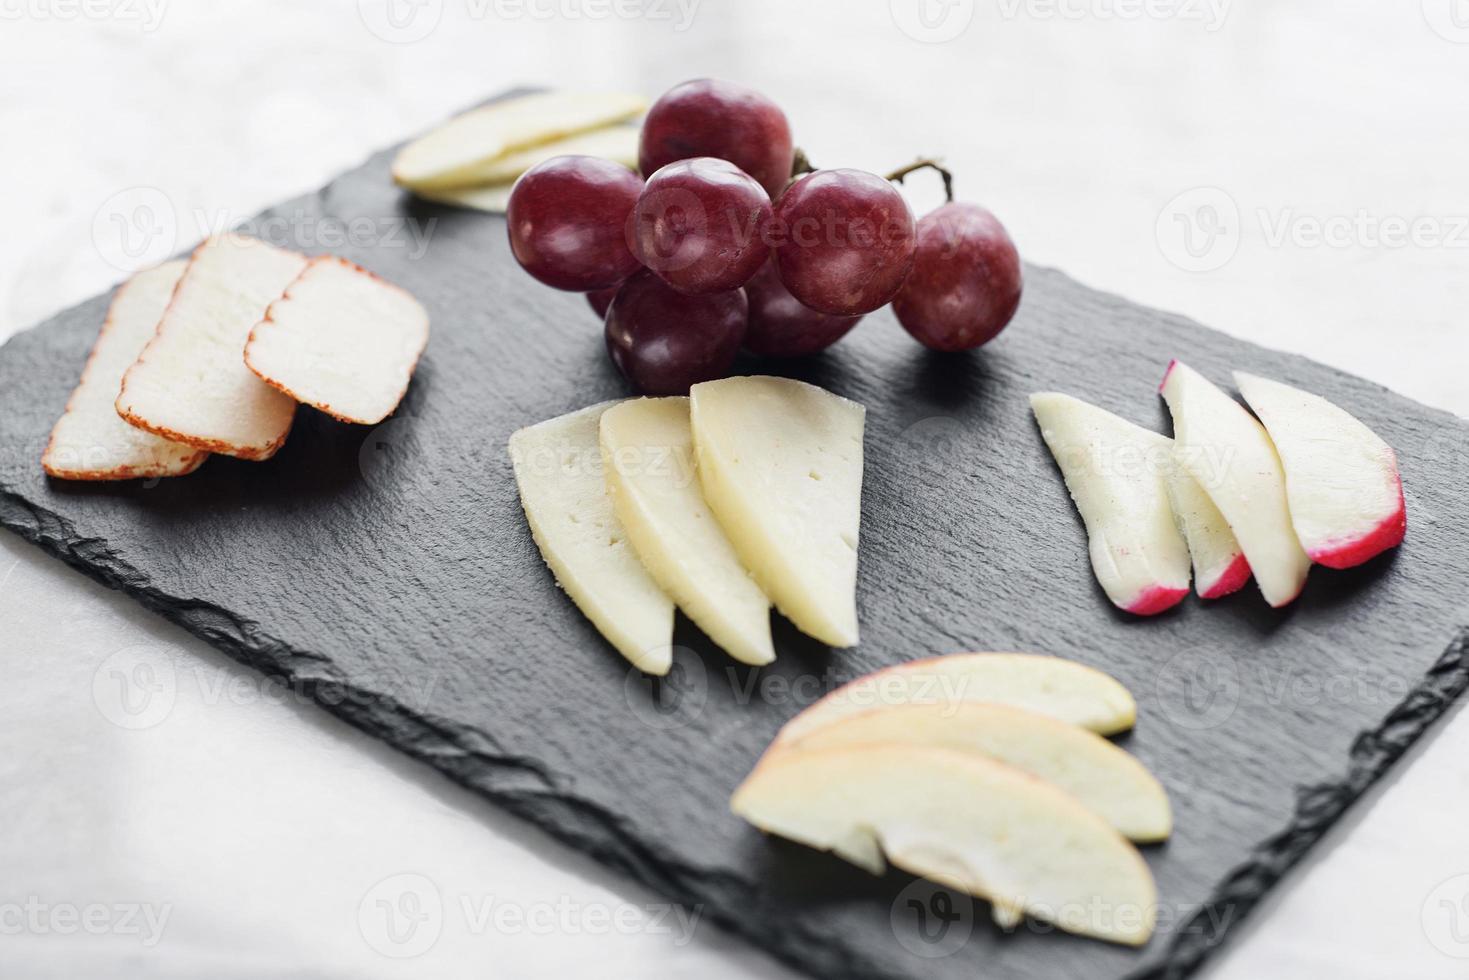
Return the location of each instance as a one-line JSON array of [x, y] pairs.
[[1117, 474], [558, 468], [965, 822], [1057, 688], [1346, 497], [1102, 777], [1220, 566], [457, 153], [648, 455], [780, 462], [1229, 453]]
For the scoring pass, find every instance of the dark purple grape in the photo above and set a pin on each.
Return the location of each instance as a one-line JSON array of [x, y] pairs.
[[966, 279], [782, 326], [568, 218], [844, 241], [600, 299], [701, 225], [710, 118], [663, 340]]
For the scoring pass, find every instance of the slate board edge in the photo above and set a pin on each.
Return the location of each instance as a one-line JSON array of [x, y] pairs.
[[567, 817]]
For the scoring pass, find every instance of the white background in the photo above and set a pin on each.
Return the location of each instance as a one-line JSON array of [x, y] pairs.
[[1189, 155]]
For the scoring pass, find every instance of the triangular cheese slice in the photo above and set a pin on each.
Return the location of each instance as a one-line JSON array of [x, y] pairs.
[[780, 462], [558, 467], [648, 453]]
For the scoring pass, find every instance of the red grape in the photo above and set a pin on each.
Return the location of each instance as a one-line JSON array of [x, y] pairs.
[[844, 241], [781, 326], [710, 118], [567, 218], [966, 279], [600, 299], [663, 341], [701, 225]]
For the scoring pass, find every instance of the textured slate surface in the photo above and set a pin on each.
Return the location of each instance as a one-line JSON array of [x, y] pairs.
[[389, 574]]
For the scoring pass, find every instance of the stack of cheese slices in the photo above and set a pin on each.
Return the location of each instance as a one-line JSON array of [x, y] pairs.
[[472, 160], [744, 494], [213, 355]]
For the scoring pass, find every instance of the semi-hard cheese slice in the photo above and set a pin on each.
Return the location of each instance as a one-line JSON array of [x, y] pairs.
[[191, 384], [558, 467], [458, 152], [648, 453], [91, 442], [340, 340], [780, 462]]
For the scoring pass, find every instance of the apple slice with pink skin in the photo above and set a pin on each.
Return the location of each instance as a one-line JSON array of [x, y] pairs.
[[1346, 497], [1118, 475], [1220, 566], [1229, 453]]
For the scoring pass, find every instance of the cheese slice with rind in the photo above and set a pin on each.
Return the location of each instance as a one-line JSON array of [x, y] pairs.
[[458, 152], [341, 340], [1053, 686], [91, 441], [780, 462], [965, 822], [190, 383], [648, 454], [1102, 777], [558, 468]]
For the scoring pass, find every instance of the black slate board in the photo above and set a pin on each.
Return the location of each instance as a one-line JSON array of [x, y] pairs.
[[389, 575]]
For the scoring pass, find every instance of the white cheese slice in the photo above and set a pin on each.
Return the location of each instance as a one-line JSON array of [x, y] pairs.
[[91, 441], [780, 462], [491, 198], [457, 152], [558, 467], [648, 453], [616, 143], [341, 340], [191, 384]]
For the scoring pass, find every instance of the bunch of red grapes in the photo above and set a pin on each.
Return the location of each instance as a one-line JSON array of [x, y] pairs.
[[696, 262]]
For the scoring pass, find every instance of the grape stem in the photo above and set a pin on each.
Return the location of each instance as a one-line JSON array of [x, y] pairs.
[[926, 163], [801, 164]]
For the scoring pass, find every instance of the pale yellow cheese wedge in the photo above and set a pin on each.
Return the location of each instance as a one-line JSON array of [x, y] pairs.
[[558, 468], [458, 152], [490, 198], [616, 143], [1102, 777], [964, 821], [1057, 688], [780, 462], [648, 454]]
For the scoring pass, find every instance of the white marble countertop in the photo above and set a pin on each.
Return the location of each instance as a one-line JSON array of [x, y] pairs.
[[1292, 172]]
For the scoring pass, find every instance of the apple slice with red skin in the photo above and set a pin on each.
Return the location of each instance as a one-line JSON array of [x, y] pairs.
[[1224, 448], [1220, 566], [1118, 475], [1346, 496]]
